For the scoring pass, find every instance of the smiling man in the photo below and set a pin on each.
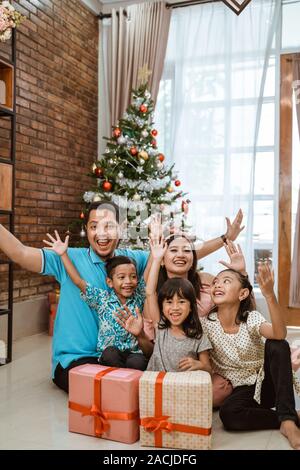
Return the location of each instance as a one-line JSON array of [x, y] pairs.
[[103, 229], [76, 325]]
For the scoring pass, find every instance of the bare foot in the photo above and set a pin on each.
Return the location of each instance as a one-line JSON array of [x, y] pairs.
[[289, 429]]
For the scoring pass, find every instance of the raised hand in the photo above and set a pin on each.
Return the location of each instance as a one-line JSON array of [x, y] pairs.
[[234, 228], [56, 244], [128, 321], [265, 279], [155, 227], [158, 248], [236, 257]]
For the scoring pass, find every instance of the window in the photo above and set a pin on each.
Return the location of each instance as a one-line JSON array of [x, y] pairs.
[[295, 168], [290, 24], [215, 166]]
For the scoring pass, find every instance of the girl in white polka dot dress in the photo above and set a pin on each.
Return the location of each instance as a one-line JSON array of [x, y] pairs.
[[252, 353]]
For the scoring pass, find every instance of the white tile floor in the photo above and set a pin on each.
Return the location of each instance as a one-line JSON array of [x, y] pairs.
[[33, 411]]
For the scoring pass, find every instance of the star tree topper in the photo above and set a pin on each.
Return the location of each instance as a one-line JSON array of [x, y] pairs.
[[143, 74]]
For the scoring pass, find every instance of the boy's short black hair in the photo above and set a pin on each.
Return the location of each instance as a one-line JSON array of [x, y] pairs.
[[115, 261], [104, 204]]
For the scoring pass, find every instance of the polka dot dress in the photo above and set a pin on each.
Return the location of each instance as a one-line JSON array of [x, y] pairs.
[[238, 357]]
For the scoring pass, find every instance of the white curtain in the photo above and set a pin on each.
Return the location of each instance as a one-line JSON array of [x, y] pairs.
[[104, 118], [294, 294], [212, 91]]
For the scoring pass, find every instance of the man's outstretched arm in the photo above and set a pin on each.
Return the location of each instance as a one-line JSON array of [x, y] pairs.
[[27, 257]]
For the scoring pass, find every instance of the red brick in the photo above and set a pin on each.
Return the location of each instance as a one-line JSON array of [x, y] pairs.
[[56, 144], [28, 291]]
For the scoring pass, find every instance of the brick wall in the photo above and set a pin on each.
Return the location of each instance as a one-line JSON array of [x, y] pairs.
[[57, 63]]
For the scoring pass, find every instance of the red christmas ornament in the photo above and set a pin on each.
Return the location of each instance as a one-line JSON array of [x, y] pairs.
[[133, 151], [117, 132], [177, 183], [154, 132], [153, 143], [161, 157], [143, 108], [99, 172], [107, 186], [82, 215]]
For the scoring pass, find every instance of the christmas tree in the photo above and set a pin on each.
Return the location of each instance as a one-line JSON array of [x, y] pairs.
[[133, 173]]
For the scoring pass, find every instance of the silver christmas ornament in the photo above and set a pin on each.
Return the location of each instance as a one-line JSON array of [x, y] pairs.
[[82, 233], [137, 102], [136, 197], [88, 196], [120, 175], [121, 140]]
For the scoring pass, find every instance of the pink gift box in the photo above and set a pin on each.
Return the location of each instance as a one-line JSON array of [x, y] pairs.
[[105, 406]]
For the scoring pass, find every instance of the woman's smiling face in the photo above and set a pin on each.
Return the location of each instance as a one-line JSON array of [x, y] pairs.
[[178, 258]]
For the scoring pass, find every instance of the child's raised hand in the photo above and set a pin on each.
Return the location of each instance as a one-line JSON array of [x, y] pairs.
[[155, 227], [265, 279], [158, 248], [128, 321], [237, 260], [56, 244]]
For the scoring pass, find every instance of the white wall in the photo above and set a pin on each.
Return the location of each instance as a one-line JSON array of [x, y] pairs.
[[95, 6], [30, 317], [261, 306], [108, 4]]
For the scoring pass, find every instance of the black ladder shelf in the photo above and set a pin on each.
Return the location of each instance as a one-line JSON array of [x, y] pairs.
[[7, 188]]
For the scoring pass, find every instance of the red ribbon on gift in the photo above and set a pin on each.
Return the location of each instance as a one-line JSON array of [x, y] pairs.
[[101, 418], [154, 424], [160, 423]]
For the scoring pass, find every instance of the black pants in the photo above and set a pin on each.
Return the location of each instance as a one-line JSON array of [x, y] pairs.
[[113, 357], [240, 412], [61, 375]]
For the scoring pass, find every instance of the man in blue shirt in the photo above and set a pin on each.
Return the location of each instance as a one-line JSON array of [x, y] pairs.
[[76, 325]]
